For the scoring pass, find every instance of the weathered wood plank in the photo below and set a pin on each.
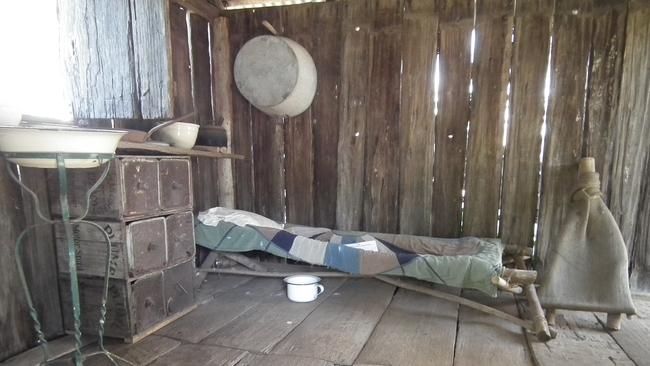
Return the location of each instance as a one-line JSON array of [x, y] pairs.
[[633, 125], [298, 134], [241, 124], [98, 58], [324, 112], [58, 347], [337, 330], [521, 169], [200, 355], [640, 278], [480, 334], [268, 140], [416, 329], [580, 340], [40, 260], [280, 360], [216, 283], [222, 80], [263, 326], [355, 82], [151, 35], [206, 188], [16, 333], [603, 90], [210, 317], [181, 67], [382, 155], [419, 42], [492, 55], [141, 353], [634, 335], [564, 130], [452, 117]]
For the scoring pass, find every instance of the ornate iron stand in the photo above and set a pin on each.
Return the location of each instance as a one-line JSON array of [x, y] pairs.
[[73, 249]]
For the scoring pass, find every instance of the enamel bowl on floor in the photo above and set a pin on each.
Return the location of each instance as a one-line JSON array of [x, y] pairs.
[[55, 139]]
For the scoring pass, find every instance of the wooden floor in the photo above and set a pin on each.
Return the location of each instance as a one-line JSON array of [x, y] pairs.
[[249, 321]]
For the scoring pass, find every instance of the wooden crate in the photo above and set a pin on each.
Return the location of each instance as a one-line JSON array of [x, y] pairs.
[[136, 187], [137, 247], [135, 308]]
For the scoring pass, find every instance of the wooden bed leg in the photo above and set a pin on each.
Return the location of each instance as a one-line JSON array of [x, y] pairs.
[[614, 321], [551, 314], [540, 325]]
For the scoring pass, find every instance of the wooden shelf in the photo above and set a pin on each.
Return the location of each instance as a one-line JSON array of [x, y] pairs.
[[198, 151]]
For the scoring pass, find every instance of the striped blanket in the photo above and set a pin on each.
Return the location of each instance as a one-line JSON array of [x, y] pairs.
[[464, 262]]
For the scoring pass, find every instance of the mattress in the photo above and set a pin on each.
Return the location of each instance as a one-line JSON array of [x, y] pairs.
[[467, 262]]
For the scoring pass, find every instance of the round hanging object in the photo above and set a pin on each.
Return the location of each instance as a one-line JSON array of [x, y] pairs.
[[276, 75]]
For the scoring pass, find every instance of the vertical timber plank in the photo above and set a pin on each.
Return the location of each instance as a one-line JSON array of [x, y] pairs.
[[604, 88], [16, 333], [98, 56], [298, 135], [456, 23], [206, 192], [492, 56], [180, 50], [39, 258], [419, 44], [521, 170], [150, 22], [324, 114], [268, 140], [242, 142], [640, 279], [356, 57], [381, 182], [222, 81], [563, 146], [633, 125]]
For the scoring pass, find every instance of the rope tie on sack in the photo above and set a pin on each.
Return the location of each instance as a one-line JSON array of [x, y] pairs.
[[587, 186]]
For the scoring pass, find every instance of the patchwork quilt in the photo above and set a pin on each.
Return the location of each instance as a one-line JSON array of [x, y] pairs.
[[463, 262]]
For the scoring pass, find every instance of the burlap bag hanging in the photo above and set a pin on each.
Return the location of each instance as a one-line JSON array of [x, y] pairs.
[[586, 268]]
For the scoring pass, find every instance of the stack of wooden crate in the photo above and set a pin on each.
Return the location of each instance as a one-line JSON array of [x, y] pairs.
[[145, 205]]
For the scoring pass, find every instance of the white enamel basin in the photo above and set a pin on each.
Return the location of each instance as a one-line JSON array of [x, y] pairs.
[[55, 139]]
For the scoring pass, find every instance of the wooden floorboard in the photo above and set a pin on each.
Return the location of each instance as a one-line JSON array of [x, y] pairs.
[[211, 316], [339, 328], [141, 353], [416, 329], [486, 340], [280, 360], [634, 336], [200, 355], [581, 340], [215, 283], [57, 348], [264, 325]]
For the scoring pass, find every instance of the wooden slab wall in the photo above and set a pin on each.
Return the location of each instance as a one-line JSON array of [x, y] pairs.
[[381, 149]]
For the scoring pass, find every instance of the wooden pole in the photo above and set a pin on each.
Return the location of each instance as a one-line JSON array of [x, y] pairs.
[[540, 326]]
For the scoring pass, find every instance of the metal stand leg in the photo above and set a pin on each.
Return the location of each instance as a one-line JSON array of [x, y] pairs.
[[72, 258]]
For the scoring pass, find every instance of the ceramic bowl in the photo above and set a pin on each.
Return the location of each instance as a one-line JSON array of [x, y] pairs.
[[180, 134], [58, 139]]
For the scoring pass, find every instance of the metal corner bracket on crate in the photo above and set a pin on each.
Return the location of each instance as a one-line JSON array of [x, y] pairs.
[[67, 221]]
